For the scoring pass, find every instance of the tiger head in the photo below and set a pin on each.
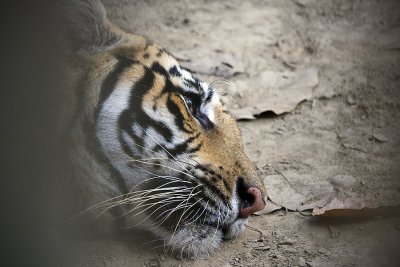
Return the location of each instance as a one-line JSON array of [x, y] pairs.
[[172, 150]]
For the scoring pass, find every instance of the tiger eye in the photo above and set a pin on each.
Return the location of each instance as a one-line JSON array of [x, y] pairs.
[[189, 104]]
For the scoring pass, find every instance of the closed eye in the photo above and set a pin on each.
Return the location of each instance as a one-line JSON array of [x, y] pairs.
[[193, 106], [190, 104]]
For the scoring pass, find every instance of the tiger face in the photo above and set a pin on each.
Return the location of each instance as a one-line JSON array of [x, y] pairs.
[[174, 152]]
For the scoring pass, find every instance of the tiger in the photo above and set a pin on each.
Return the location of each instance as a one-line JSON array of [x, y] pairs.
[[151, 145]]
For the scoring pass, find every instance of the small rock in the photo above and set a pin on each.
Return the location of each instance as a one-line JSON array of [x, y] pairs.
[[324, 251], [351, 100], [302, 262], [273, 255], [263, 248], [291, 250], [379, 138], [247, 256], [287, 241], [353, 147]]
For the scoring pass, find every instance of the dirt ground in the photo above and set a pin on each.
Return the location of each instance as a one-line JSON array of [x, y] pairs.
[[349, 126]]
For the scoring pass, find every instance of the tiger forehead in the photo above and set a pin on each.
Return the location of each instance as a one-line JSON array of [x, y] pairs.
[[154, 53], [161, 61]]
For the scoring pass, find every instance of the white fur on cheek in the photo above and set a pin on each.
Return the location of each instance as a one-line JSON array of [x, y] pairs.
[[108, 130], [209, 109]]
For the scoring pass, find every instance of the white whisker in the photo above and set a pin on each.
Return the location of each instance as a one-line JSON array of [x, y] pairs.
[[165, 166], [177, 224]]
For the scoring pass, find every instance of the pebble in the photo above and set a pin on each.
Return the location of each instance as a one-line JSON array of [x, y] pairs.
[[302, 262], [379, 138], [291, 250], [263, 248], [324, 251], [287, 241], [351, 100], [352, 147]]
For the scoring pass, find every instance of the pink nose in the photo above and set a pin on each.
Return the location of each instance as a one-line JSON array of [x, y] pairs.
[[253, 202]]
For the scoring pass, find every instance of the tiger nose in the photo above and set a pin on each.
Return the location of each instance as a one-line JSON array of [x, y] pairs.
[[251, 199]]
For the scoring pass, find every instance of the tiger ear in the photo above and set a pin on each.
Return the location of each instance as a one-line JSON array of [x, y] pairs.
[[88, 27]]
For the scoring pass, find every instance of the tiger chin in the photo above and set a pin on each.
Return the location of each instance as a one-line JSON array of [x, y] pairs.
[[151, 146]]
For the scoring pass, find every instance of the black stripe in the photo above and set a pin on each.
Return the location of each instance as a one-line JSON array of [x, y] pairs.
[[111, 80], [174, 71], [195, 83], [179, 119], [215, 190], [125, 124], [134, 112], [204, 120], [214, 174], [210, 95], [135, 106], [160, 69], [210, 184], [125, 147], [171, 88], [196, 148], [227, 186], [194, 183], [183, 147], [188, 128]]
